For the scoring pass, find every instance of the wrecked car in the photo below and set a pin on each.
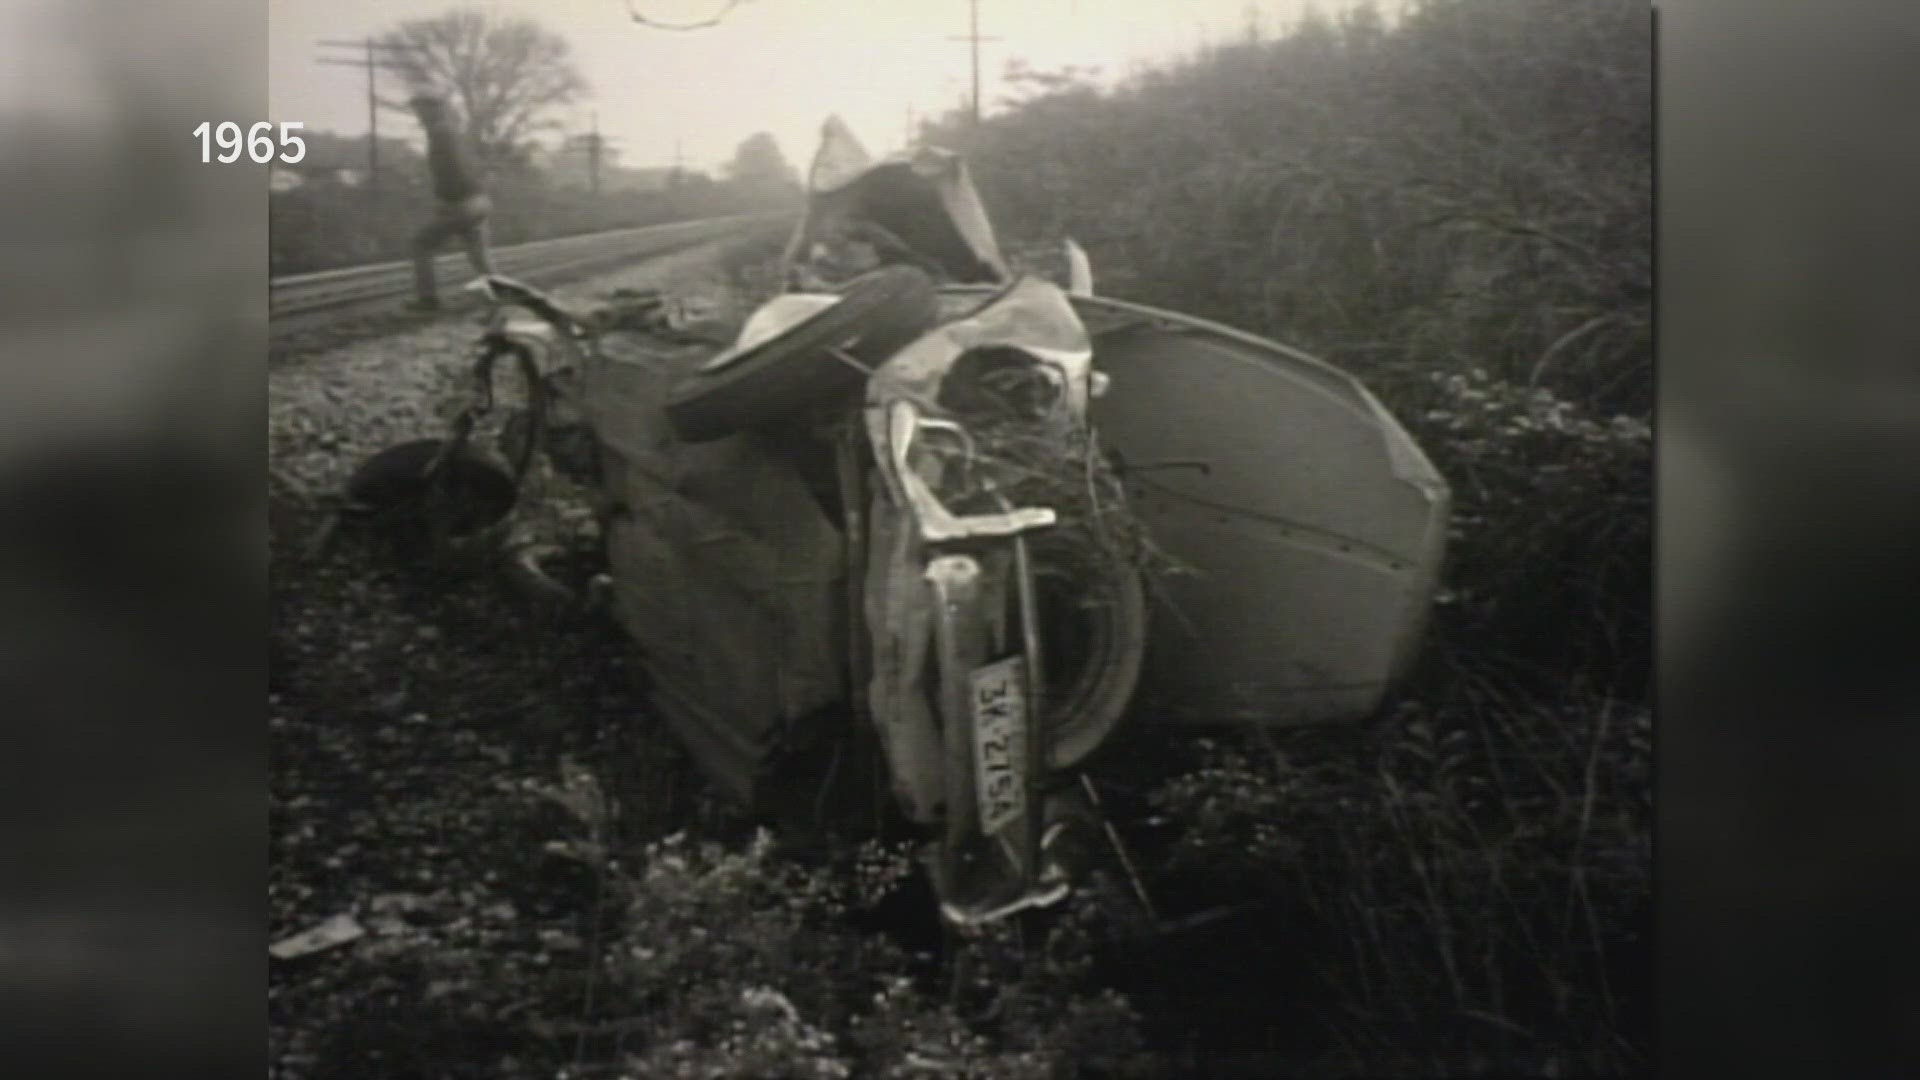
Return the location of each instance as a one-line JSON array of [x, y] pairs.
[[988, 517]]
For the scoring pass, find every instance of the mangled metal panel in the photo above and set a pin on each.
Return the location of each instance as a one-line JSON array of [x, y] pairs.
[[1036, 319], [919, 206], [1314, 525], [726, 572]]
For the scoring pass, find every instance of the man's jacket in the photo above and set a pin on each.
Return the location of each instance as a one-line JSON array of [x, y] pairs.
[[455, 176]]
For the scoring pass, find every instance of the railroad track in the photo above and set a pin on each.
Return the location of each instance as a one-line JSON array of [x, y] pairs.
[[328, 292]]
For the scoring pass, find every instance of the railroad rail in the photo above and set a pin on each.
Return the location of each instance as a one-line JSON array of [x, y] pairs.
[[540, 261]]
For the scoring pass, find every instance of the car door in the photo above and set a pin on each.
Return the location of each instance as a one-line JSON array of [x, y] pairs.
[[1312, 525]]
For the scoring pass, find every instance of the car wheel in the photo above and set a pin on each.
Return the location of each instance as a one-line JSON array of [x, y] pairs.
[[474, 490], [795, 371], [1093, 629]]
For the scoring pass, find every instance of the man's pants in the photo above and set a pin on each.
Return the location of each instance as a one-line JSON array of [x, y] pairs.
[[466, 219]]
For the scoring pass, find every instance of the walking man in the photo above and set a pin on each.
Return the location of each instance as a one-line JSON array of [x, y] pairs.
[[461, 205]]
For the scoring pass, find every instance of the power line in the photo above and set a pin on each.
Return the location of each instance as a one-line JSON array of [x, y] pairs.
[[973, 38], [378, 57], [596, 145]]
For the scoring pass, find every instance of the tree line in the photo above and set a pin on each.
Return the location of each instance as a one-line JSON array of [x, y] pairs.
[[511, 81]]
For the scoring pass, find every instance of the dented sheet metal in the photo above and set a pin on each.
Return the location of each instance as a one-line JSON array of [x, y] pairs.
[[1037, 319], [1316, 528], [920, 204], [726, 571], [1031, 315]]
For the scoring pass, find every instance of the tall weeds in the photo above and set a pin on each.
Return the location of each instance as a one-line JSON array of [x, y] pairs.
[[1470, 187]]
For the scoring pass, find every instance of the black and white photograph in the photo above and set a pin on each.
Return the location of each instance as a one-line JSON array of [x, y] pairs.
[[958, 538]]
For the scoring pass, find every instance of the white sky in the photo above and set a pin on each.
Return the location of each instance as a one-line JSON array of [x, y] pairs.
[[775, 65]]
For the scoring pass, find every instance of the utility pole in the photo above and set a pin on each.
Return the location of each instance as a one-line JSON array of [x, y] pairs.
[[593, 154], [973, 48], [373, 122], [973, 38], [677, 173], [378, 56], [596, 146]]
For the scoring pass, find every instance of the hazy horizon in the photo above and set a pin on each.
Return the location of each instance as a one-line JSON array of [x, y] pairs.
[[780, 66]]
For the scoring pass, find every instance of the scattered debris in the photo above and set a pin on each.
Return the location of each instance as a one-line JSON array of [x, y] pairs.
[[339, 930], [766, 998], [393, 914]]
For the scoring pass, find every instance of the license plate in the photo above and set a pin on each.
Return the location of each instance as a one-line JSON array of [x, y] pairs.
[[999, 693]]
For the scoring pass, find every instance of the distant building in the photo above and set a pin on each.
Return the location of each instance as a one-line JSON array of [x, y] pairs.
[[280, 181]]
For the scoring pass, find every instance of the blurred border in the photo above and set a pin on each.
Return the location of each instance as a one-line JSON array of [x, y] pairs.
[[132, 537], [1789, 429]]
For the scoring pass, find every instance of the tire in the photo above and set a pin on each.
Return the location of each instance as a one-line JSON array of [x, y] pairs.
[[877, 314], [391, 489], [1089, 687]]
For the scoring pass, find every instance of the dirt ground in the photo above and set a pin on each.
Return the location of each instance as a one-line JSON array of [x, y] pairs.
[[401, 713]]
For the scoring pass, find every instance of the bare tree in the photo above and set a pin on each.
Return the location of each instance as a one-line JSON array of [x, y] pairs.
[[506, 75]]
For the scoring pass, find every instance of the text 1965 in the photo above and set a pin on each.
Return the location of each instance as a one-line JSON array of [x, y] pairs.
[[257, 142]]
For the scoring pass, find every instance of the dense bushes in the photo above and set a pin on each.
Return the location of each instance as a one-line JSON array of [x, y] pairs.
[[1480, 860], [1550, 572], [1457, 209], [1470, 188]]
